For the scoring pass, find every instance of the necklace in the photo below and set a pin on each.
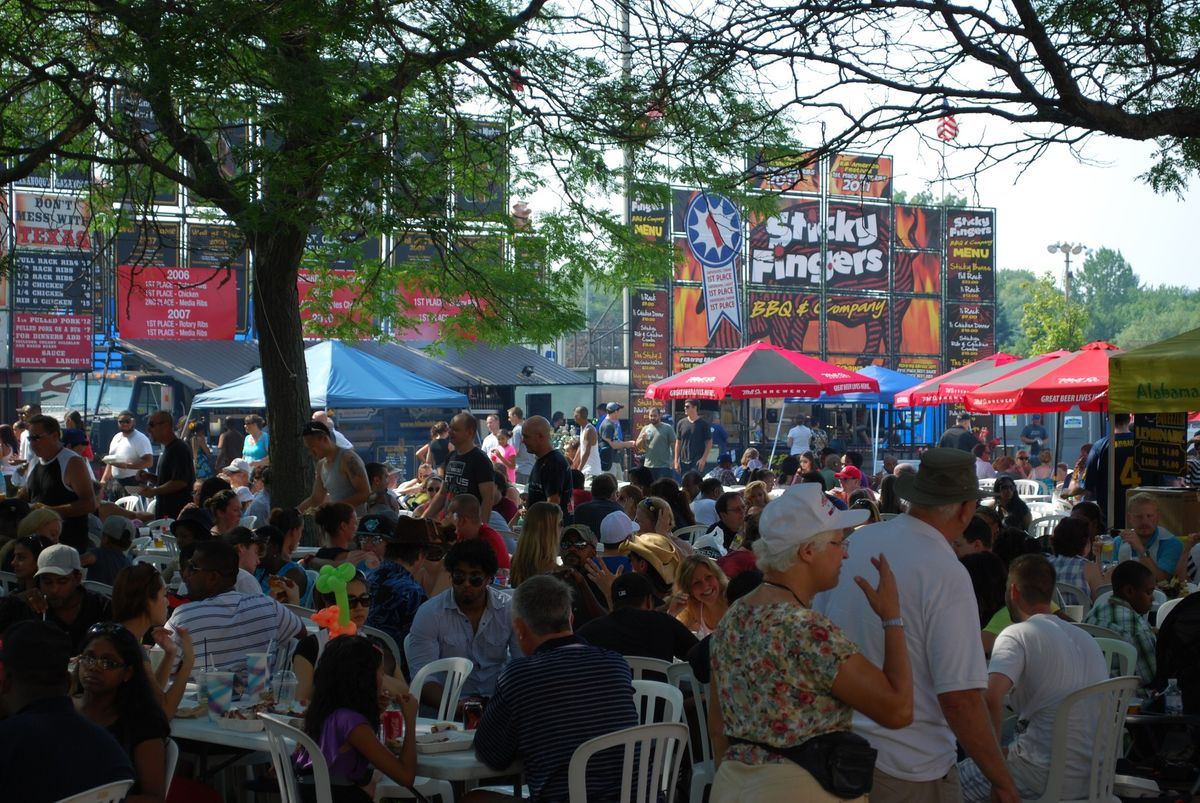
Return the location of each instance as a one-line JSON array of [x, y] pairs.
[[785, 588]]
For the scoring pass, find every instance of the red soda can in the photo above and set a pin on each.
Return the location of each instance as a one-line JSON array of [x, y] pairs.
[[472, 713], [393, 724]]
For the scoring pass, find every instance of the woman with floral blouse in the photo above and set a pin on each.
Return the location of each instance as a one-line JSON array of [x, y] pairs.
[[783, 673]]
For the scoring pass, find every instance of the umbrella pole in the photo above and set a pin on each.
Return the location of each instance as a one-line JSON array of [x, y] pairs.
[[1111, 480], [875, 443], [1004, 432], [1058, 428]]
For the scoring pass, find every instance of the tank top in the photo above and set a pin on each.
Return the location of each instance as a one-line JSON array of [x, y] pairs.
[[46, 485], [592, 467], [334, 479]]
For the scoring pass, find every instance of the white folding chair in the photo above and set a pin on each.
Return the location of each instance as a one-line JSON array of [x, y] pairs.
[[1028, 488], [1124, 653], [1074, 595], [987, 484], [703, 767], [657, 702], [1043, 527], [105, 793], [9, 582], [280, 739], [172, 750], [456, 671], [96, 587], [1098, 631], [641, 665], [386, 639], [133, 503], [690, 532], [649, 761], [160, 562], [248, 522], [1165, 609], [1109, 700]]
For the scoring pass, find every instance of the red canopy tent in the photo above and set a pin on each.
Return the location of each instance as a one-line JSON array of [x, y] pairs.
[[761, 371], [930, 392], [1053, 385]]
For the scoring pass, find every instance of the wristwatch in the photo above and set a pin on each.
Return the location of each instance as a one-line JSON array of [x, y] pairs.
[[897, 622]]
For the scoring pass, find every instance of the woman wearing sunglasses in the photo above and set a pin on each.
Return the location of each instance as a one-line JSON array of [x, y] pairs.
[[114, 691], [312, 647]]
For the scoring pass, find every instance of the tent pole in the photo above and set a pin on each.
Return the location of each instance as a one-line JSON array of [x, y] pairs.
[[1058, 429], [1111, 481], [778, 429], [875, 443]]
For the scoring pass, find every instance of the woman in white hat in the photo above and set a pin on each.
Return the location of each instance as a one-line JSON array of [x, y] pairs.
[[783, 674]]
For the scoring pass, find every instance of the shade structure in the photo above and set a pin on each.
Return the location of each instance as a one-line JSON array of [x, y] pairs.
[[761, 371], [890, 383], [1162, 377], [340, 376], [1073, 378], [929, 392]]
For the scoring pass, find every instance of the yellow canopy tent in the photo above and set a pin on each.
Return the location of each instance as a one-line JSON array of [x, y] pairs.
[[1162, 377]]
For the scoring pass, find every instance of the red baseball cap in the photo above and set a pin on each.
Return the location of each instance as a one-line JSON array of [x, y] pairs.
[[850, 472]]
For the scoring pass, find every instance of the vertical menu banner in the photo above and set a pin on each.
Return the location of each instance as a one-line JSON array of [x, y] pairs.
[[970, 333], [172, 303], [54, 342], [649, 351], [53, 259], [970, 256], [651, 219]]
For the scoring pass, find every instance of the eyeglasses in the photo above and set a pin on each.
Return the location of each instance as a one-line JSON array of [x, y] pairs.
[[371, 539], [580, 544], [363, 601], [33, 438], [96, 662], [1022, 457], [105, 628], [476, 580], [124, 420]]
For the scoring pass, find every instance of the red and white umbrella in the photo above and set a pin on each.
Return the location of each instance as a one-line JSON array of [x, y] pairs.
[[761, 371], [1052, 385], [931, 391]]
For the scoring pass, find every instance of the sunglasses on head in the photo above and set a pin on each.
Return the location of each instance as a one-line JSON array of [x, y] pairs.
[[476, 580]]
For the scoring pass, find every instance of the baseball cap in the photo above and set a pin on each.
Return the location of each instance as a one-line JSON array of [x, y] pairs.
[[612, 407], [58, 559], [74, 437], [36, 648], [376, 524], [119, 530], [616, 527], [800, 513], [630, 588], [850, 472], [196, 517], [238, 464]]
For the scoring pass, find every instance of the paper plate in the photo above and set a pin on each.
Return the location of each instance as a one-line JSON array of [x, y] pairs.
[[445, 742]]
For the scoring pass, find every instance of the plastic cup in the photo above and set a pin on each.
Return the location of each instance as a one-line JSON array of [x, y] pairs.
[[157, 654], [258, 675], [220, 692], [1074, 612], [285, 689]]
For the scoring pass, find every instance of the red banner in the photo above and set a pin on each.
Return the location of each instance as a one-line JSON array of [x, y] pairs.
[[428, 312], [160, 303], [342, 307], [59, 342]]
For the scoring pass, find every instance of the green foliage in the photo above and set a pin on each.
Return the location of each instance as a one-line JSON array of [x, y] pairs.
[[1157, 313], [1105, 284], [927, 197], [1011, 295], [1048, 321]]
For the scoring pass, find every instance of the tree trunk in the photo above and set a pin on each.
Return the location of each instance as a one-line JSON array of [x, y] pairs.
[[281, 351]]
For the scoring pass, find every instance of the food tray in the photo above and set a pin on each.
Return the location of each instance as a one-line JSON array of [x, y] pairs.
[[445, 742]]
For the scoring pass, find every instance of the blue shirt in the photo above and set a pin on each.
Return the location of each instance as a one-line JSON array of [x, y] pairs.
[[441, 630], [1164, 547], [539, 713], [395, 597]]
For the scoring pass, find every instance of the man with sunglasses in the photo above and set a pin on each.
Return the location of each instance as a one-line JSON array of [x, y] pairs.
[[468, 620], [395, 593], [129, 452], [59, 479], [224, 623]]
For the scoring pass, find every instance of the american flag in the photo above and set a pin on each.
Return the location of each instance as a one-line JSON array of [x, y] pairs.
[[947, 127]]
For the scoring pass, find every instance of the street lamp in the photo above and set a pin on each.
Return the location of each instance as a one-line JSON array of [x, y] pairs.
[[1067, 250]]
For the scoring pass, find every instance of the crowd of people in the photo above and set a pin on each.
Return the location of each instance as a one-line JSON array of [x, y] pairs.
[[829, 609]]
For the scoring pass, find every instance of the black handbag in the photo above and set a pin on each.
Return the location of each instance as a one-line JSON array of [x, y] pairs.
[[841, 761]]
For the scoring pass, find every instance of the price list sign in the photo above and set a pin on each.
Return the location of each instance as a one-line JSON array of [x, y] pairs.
[[52, 341], [970, 334], [53, 253], [158, 303], [651, 332]]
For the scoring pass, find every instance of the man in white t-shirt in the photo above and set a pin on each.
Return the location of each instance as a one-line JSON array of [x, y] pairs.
[[941, 626], [130, 452], [799, 437], [516, 418], [491, 441], [1035, 664]]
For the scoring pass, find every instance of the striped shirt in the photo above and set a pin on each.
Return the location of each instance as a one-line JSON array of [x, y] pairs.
[[547, 704], [226, 627]]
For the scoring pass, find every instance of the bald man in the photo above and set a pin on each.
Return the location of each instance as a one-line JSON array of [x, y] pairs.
[[339, 440], [550, 479]]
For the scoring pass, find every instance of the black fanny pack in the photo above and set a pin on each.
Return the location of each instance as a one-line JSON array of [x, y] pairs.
[[842, 762]]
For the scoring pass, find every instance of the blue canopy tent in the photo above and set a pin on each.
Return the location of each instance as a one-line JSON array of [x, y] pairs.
[[890, 383], [340, 376]]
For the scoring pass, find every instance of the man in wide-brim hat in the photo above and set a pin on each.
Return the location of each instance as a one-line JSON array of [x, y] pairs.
[[941, 625]]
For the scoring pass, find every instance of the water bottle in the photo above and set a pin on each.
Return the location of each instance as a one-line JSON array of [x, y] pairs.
[[1173, 698], [1124, 553]]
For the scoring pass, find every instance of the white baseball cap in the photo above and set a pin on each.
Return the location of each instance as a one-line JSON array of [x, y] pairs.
[[238, 464], [616, 527], [58, 559], [802, 512]]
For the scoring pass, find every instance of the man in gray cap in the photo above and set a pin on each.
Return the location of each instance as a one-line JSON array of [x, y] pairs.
[[917, 763]]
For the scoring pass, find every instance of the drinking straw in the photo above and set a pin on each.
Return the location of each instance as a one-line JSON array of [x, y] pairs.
[[270, 649], [207, 656]]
